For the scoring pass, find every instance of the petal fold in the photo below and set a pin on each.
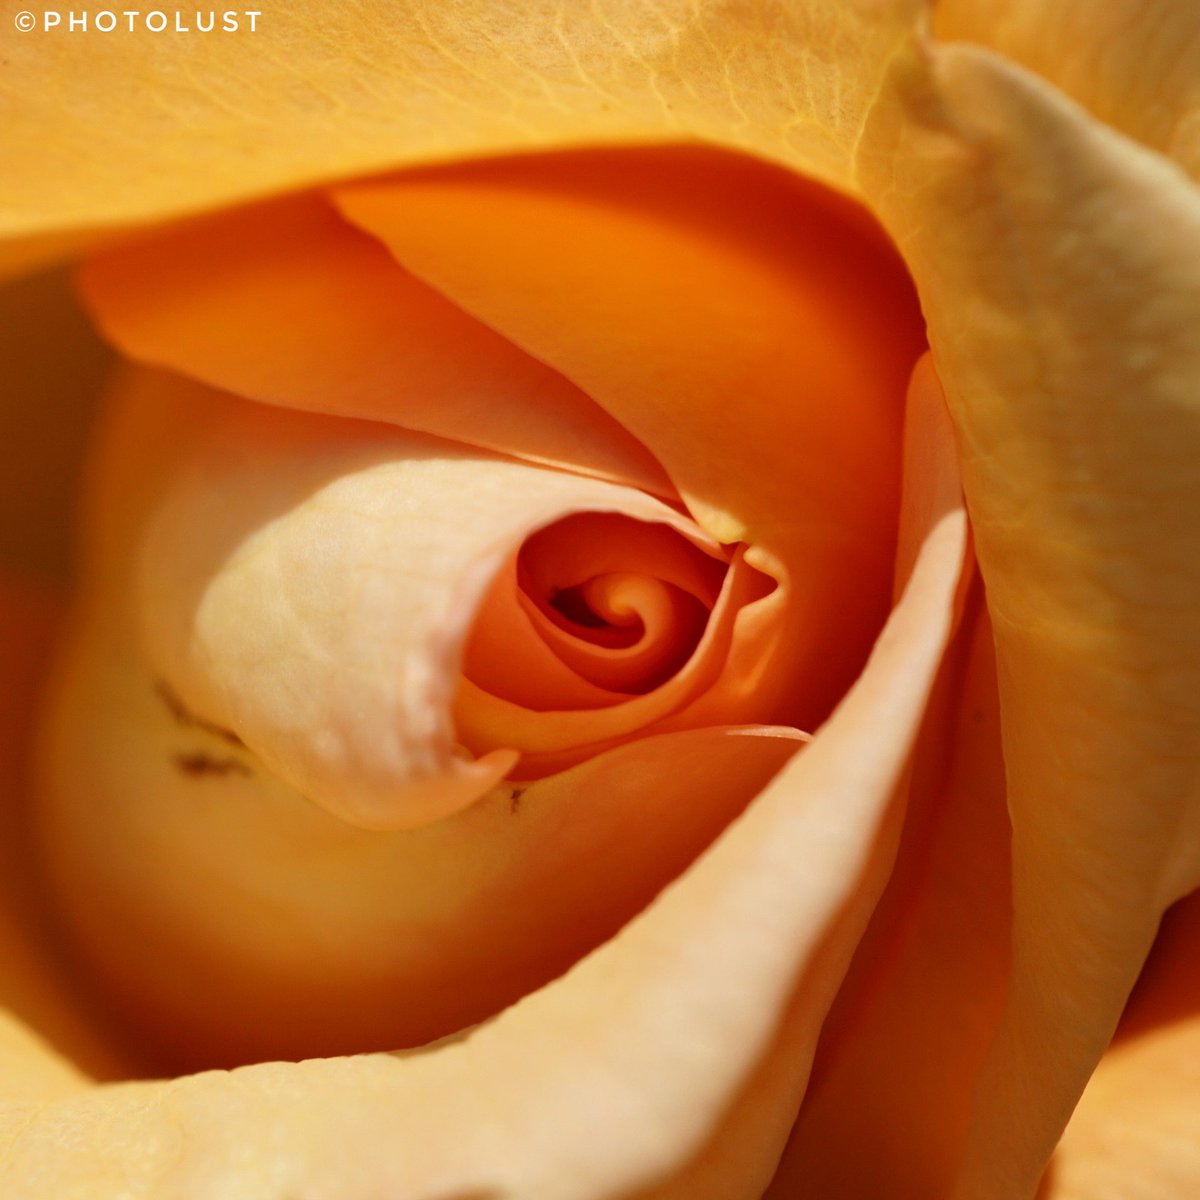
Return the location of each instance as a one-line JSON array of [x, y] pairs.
[[287, 304], [890, 1100], [44, 1030]]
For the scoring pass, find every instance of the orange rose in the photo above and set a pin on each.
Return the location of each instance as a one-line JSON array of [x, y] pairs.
[[481, 568]]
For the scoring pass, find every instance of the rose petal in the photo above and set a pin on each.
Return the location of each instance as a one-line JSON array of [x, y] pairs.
[[1135, 64], [306, 585], [1058, 268], [51, 364], [705, 301], [288, 304], [712, 683], [619, 1074], [917, 1011], [35, 1011], [565, 665], [1136, 1132], [315, 94], [325, 937], [281, 932]]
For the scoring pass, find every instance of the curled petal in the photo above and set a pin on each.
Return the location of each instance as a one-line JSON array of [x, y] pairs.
[[307, 584], [922, 999], [705, 301], [617, 1076], [710, 684], [328, 937]]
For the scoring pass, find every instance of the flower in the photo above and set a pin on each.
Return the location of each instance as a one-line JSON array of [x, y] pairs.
[[955, 995]]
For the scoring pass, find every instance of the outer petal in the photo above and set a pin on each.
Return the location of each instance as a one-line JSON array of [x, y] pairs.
[[615, 1077], [1058, 265], [1135, 64], [1136, 1132], [318, 93]]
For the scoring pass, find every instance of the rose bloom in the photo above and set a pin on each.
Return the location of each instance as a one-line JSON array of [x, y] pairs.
[[635, 621]]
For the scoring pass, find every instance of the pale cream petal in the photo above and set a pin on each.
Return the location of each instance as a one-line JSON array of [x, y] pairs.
[[44, 1030], [1059, 268], [281, 932], [1135, 64], [306, 584], [296, 573], [104, 130]]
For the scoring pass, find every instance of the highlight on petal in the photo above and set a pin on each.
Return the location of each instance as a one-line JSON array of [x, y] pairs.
[[1134, 64], [311, 96], [1057, 263], [618, 1076]]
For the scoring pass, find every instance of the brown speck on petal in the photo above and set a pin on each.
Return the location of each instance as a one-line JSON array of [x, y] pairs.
[[200, 764]]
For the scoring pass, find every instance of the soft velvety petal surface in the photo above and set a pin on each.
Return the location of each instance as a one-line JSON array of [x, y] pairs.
[[320, 92], [1058, 265], [1136, 1132], [32, 996], [1135, 64], [287, 303], [616, 1077], [705, 301]]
